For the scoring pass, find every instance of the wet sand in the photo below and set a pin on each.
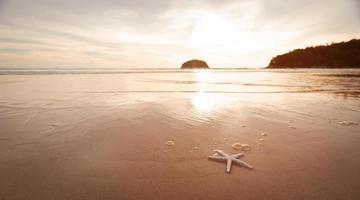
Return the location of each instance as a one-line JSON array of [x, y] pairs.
[[61, 138]]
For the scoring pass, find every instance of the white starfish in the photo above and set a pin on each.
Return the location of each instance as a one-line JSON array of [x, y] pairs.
[[222, 156]]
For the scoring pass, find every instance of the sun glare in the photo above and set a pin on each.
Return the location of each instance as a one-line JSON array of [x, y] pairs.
[[220, 34], [209, 31], [202, 100]]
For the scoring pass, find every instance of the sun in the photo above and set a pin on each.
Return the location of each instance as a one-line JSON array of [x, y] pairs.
[[211, 30]]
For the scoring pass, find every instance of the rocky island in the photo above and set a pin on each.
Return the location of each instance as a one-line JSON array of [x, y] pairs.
[[195, 64], [335, 55]]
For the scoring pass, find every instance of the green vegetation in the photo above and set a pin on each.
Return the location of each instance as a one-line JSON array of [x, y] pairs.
[[335, 55]]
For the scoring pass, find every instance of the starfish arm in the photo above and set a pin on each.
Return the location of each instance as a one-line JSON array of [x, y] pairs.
[[217, 157], [221, 152], [237, 155], [242, 163], [228, 165]]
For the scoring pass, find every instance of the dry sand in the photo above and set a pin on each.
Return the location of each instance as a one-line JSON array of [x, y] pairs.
[[60, 142]]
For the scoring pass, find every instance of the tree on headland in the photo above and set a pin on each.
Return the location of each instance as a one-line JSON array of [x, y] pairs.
[[335, 55]]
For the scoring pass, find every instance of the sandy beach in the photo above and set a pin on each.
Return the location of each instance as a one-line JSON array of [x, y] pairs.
[[103, 135]]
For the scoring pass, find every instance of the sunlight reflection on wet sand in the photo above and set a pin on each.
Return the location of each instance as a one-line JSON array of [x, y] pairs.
[[206, 102], [103, 131]]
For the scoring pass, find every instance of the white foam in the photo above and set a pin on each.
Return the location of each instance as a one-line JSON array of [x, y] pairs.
[[348, 123]]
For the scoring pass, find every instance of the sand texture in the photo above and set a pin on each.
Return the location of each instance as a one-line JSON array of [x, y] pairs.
[[128, 136]]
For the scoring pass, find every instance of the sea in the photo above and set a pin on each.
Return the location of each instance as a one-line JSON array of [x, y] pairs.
[[337, 82]]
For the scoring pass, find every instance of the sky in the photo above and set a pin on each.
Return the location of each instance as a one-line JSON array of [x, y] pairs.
[[166, 33]]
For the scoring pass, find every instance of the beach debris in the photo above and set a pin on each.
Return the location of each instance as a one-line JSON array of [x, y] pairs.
[[222, 156], [215, 143], [225, 139], [241, 147], [348, 123], [244, 125], [170, 143], [264, 134], [196, 148]]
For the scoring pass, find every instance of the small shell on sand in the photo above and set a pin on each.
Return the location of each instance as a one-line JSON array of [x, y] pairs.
[[170, 143], [348, 123], [264, 134], [236, 146], [246, 147], [241, 147], [225, 139], [196, 148]]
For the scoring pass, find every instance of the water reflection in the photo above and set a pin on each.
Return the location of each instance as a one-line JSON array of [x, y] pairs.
[[203, 101], [208, 102]]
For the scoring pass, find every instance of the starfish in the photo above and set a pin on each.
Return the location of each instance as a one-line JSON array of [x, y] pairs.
[[222, 156]]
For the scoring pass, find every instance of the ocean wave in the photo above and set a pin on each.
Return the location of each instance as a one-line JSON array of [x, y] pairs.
[[226, 92]]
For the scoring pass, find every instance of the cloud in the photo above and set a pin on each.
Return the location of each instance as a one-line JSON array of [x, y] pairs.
[[14, 51], [119, 32]]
